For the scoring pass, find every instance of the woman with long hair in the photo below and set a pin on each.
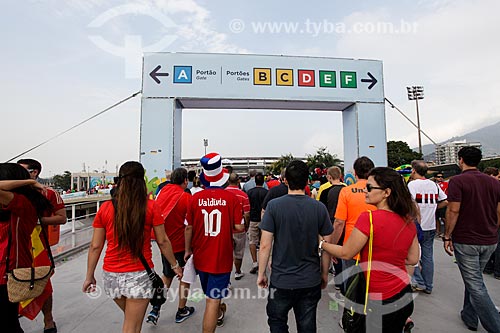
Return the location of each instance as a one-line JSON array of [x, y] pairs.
[[395, 245], [21, 204], [126, 223]]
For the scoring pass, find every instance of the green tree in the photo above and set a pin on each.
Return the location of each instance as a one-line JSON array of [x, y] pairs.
[[281, 163], [399, 153], [63, 181], [489, 163], [322, 159]]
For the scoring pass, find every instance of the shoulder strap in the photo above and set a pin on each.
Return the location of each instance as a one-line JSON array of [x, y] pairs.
[[44, 237], [369, 269], [151, 274], [47, 245]]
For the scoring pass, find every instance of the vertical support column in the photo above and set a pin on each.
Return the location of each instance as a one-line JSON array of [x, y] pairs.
[[73, 218], [177, 135], [364, 134], [160, 146]]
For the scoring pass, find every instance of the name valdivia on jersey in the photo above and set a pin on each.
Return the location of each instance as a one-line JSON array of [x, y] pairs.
[[211, 202]]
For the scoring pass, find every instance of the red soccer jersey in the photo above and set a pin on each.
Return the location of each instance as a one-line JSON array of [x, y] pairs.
[[54, 198], [444, 187], [245, 203], [117, 261], [213, 214], [173, 202], [22, 222]]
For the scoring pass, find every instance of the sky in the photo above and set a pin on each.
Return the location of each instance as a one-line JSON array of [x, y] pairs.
[[64, 61]]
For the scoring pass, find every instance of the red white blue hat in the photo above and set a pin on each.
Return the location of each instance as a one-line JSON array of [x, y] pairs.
[[213, 173]]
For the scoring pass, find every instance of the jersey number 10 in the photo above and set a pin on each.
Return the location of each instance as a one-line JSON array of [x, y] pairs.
[[212, 222]]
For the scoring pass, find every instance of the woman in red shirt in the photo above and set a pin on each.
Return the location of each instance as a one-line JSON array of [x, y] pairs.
[[395, 245], [127, 230], [20, 205]]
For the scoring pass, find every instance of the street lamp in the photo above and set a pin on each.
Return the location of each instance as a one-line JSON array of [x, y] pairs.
[[205, 143], [415, 93]]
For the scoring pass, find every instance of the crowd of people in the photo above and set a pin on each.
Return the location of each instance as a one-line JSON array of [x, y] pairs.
[[299, 228]]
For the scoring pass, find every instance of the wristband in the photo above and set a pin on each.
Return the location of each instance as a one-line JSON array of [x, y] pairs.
[[175, 266], [446, 239], [320, 247]]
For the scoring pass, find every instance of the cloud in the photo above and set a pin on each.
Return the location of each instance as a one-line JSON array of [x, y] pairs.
[[451, 53], [195, 30]]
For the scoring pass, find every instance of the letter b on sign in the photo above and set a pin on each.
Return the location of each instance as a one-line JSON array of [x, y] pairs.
[[262, 76]]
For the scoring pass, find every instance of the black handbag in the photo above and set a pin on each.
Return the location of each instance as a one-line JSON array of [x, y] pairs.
[[356, 296], [158, 285]]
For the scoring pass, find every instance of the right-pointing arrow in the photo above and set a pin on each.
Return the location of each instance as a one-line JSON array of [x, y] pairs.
[[372, 79]]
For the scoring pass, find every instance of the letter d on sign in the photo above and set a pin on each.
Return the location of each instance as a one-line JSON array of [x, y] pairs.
[[306, 78]]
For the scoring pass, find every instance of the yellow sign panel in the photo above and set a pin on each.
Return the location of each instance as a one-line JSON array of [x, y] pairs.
[[262, 76], [284, 77]]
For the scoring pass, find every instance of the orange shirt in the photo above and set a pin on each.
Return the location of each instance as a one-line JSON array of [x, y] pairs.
[[351, 204]]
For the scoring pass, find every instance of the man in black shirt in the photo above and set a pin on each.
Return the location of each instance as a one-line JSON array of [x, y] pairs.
[[256, 196]]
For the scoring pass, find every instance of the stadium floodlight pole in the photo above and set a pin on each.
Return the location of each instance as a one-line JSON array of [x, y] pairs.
[[205, 143], [415, 93]]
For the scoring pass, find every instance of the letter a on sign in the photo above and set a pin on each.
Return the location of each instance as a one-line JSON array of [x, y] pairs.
[[306, 78], [183, 74]]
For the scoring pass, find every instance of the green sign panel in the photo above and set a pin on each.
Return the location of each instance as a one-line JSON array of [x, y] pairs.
[[327, 79], [348, 80]]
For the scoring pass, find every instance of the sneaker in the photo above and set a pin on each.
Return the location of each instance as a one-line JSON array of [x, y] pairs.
[[416, 288], [427, 291], [184, 314], [153, 317], [238, 276], [408, 326], [220, 320], [254, 270]]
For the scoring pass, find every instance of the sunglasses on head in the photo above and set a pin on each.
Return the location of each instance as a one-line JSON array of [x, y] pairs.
[[370, 187]]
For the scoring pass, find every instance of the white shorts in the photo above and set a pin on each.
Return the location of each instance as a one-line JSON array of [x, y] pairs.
[[130, 284]]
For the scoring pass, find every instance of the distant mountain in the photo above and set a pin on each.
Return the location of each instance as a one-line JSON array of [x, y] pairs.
[[488, 136]]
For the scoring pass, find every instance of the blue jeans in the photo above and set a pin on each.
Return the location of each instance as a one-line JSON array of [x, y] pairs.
[[471, 260], [304, 303], [425, 275]]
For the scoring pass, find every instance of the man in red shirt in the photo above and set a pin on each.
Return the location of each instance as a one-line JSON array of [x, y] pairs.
[[51, 224], [173, 201], [441, 212], [239, 237], [212, 216]]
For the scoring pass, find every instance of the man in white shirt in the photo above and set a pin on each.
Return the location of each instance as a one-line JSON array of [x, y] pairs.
[[429, 197]]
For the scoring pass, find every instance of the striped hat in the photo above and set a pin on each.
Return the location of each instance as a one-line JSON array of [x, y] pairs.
[[213, 173]]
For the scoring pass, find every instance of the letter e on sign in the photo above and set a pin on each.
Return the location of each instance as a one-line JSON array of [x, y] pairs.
[[306, 78], [262, 76], [327, 79]]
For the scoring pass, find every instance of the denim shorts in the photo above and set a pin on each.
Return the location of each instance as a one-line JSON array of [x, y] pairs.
[[130, 284]]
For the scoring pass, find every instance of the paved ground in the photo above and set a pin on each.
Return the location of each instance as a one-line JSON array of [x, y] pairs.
[[76, 312]]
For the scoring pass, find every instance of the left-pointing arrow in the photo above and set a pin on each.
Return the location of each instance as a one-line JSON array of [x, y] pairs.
[[372, 79], [154, 74]]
